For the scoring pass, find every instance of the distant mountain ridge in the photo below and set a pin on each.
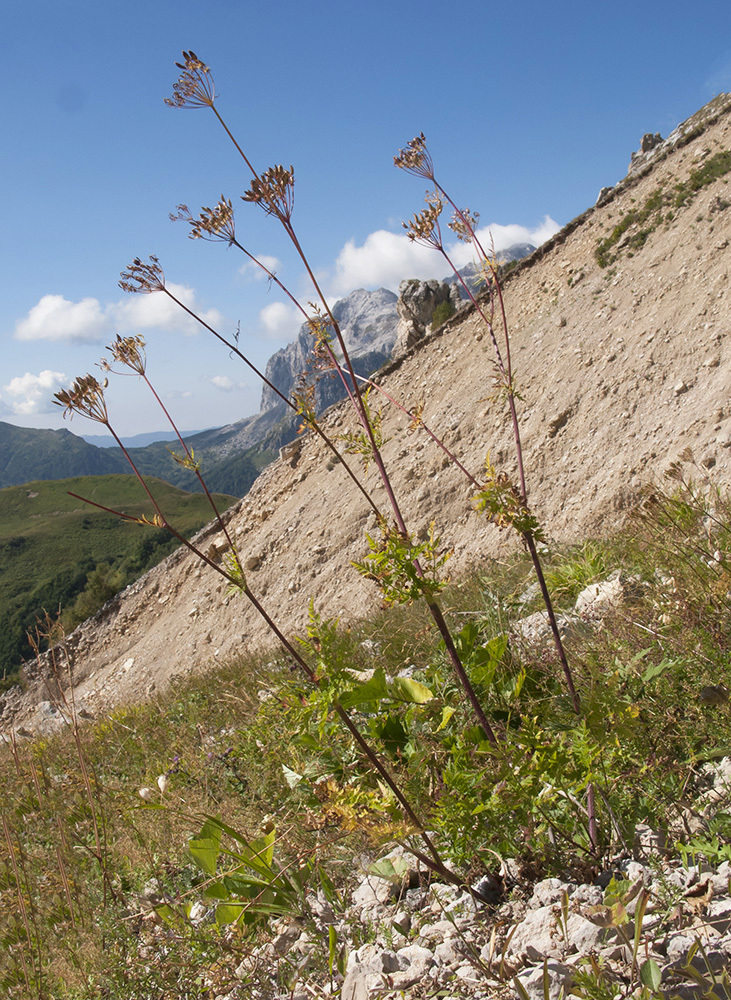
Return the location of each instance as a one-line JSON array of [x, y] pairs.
[[135, 440], [27, 454]]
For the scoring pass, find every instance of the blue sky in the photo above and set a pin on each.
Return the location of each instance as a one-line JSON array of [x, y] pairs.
[[529, 109]]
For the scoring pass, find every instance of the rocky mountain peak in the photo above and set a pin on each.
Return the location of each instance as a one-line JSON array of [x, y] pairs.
[[368, 323]]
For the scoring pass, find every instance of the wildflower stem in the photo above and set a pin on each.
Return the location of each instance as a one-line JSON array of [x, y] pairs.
[[315, 426]]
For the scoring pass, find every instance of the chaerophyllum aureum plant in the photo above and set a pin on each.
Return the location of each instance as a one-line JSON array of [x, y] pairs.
[[406, 566]]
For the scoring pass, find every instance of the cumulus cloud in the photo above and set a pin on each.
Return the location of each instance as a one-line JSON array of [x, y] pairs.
[[226, 384], [252, 271], [280, 321], [158, 311], [385, 259], [29, 394], [54, 318]]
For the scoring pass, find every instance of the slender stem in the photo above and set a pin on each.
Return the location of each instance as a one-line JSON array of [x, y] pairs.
[[424, 426], [359, 405], [458, 667], [313, 424], [506, 373], [538, 569], [591, 810]]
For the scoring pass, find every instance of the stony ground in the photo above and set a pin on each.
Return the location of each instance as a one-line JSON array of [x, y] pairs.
[[620, 370]]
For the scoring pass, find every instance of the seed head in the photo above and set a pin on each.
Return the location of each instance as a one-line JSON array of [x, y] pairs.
[[464, 224], [142, 277], [274, 191], [416, 159], [424, 228], [212, 224], [194, 88], [86, 396], [127, 351]]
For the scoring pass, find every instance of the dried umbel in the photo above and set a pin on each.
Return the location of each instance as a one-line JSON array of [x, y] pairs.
[[127, 351], [464, 224], [212, 224], [274, 191], [416, 159], [194, 88], [143, 277], [424, 228], [86, 396]]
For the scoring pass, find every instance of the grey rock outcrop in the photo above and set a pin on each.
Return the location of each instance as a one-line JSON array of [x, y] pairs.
[[368, 324], [650, 141], [416, 304]]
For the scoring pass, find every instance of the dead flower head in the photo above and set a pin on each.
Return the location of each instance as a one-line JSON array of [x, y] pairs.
[[274, 191], [464, 224], [416, 159], [127, 351], [424, 228], [215, 223], [86, 396], [194, 88], [143, 277]]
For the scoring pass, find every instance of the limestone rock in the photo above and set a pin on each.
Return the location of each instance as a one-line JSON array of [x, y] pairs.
[[416, 304]]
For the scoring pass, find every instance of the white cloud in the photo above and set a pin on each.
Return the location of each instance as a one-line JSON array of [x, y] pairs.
[[280, 321], [158, 311], [252, 272], [385, 259], [55, 318], [28, 394], [88, 321], [226, 384], [506, 236]]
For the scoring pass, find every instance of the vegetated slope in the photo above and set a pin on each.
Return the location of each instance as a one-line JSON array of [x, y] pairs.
[[620, 369], [51, 544], [28, 454]]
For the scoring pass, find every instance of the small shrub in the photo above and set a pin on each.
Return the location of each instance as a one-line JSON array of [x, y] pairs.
[[444, 311]]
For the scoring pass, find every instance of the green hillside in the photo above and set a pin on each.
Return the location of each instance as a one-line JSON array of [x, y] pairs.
[[30, 454], [58, 553], [27, 453]]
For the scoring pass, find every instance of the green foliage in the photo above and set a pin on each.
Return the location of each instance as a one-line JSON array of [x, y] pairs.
[[568, 575], [643, 221], [501, 501], [228, 751], [404, 568], [247, 885], [54, 546], [444, 311], [101, 585]]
